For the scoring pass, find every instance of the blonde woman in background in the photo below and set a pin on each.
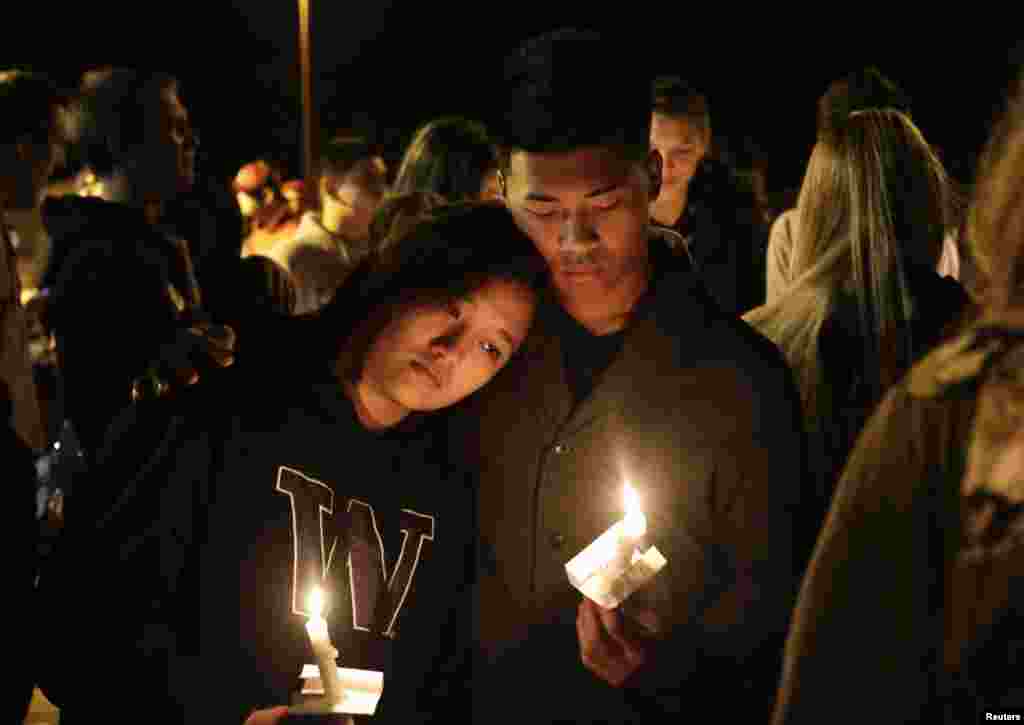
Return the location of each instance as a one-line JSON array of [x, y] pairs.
[[914, 599], [452, 157], [865, 301]]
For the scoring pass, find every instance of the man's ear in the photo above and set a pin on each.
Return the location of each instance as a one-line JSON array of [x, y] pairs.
[[23, 150], [654, 163], [502, 186]]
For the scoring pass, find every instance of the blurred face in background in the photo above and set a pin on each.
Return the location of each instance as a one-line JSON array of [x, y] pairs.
[[164, 164], [349, 201], [682, 146]]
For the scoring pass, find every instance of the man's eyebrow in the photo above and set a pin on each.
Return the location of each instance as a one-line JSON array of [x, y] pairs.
[[537, 196]]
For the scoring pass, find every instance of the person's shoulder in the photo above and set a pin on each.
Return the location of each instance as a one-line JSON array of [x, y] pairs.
[[733, 357], [783, 224]]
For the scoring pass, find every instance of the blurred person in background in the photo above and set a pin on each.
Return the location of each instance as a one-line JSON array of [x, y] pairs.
[[125, 306], [865, 302], [31, 135], [330, 241], [701, 198], [268, 214], [925, 538], [452, 157], [400, 212], [863, 90]]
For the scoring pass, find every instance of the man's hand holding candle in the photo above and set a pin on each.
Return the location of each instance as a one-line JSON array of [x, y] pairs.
[[273, 716], [611, 648]]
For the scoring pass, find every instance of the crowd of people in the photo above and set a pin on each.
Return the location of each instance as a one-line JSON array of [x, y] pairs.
[[421, 390]]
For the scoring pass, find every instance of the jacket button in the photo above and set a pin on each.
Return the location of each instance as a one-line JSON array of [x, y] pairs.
[[561, 448], [557, 541]]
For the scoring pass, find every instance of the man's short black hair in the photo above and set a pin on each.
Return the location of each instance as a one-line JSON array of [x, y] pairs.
[[27, 103], [573, 88], [859, 91], [114, 108], [673, 96]]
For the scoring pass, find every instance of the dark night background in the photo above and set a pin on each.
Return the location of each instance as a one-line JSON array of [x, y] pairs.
[[386, 66]]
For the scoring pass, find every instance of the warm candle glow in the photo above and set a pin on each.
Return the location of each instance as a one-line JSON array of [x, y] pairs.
[[635, 523], [315, 603]]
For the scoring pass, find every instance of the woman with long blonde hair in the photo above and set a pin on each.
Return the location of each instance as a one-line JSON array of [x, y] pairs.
[[865, 301], [916, 587]]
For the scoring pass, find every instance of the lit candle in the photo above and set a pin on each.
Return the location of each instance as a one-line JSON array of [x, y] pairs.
[[326, 654], [613, 566], [634, 527]]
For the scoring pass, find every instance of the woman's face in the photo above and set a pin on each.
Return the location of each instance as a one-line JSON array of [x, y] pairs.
[[434, 355]]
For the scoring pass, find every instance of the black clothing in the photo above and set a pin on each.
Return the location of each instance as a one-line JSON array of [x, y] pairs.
[[726, 236], [235, 508], [585, 355], [111, 307]]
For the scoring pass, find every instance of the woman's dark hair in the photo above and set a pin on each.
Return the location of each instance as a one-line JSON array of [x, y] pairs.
[[450, 157], [451, 252], [862, 90]]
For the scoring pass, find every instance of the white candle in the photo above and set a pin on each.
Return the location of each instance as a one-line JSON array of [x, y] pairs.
[[613, 566], [326, 654]]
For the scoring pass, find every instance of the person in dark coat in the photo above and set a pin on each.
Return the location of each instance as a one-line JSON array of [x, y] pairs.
[[125, 305], [632, 373]]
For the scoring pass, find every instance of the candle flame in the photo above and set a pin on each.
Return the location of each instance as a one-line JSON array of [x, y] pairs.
[[635, 523], [315, 602]]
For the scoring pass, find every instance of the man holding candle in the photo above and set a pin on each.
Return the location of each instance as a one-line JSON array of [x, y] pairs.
[[632, 372]]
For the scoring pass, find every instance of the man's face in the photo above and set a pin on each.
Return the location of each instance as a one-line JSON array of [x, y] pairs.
[[681, 145], [168, 159], [587, 213]]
